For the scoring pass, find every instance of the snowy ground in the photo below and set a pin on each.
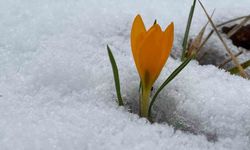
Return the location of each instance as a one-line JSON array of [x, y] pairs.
[[57, 88]]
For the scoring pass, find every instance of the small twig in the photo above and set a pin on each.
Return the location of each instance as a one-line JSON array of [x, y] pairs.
[[232, 20], [242, 72], [230, 59], [238, 27]]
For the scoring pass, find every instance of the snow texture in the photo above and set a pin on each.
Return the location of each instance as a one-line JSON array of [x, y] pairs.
[[57, 90]]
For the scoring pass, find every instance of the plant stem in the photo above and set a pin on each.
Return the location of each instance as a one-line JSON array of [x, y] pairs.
[[145, 102]]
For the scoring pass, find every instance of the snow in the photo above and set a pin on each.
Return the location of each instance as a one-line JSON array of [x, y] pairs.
[[57, 89]]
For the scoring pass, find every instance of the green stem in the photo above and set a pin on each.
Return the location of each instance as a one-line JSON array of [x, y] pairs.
[[144, 102]]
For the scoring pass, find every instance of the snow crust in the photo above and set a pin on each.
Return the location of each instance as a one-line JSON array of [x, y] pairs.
[[57, 90]]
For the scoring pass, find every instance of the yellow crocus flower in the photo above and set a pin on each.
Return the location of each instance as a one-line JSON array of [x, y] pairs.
[[150, 49]]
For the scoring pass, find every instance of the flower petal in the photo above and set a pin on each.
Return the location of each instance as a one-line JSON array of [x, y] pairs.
[[168, 39], [150, 55], [167, 44], [137, 32]]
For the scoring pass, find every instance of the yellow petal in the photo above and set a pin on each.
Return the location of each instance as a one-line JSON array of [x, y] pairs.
[[150, 55], [137, 33], [167, 44], [168, 38]]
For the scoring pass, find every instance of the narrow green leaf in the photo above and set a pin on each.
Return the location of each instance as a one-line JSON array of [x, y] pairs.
[[185, 39], [170, 78], [116, 76], [235, 70]]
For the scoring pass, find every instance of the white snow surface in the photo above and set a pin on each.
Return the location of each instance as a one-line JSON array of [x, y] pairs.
[[57, 89]]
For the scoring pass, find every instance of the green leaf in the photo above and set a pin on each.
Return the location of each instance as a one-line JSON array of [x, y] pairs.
[[116, 77], [170, 78], [185, 39], [235, 70]]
